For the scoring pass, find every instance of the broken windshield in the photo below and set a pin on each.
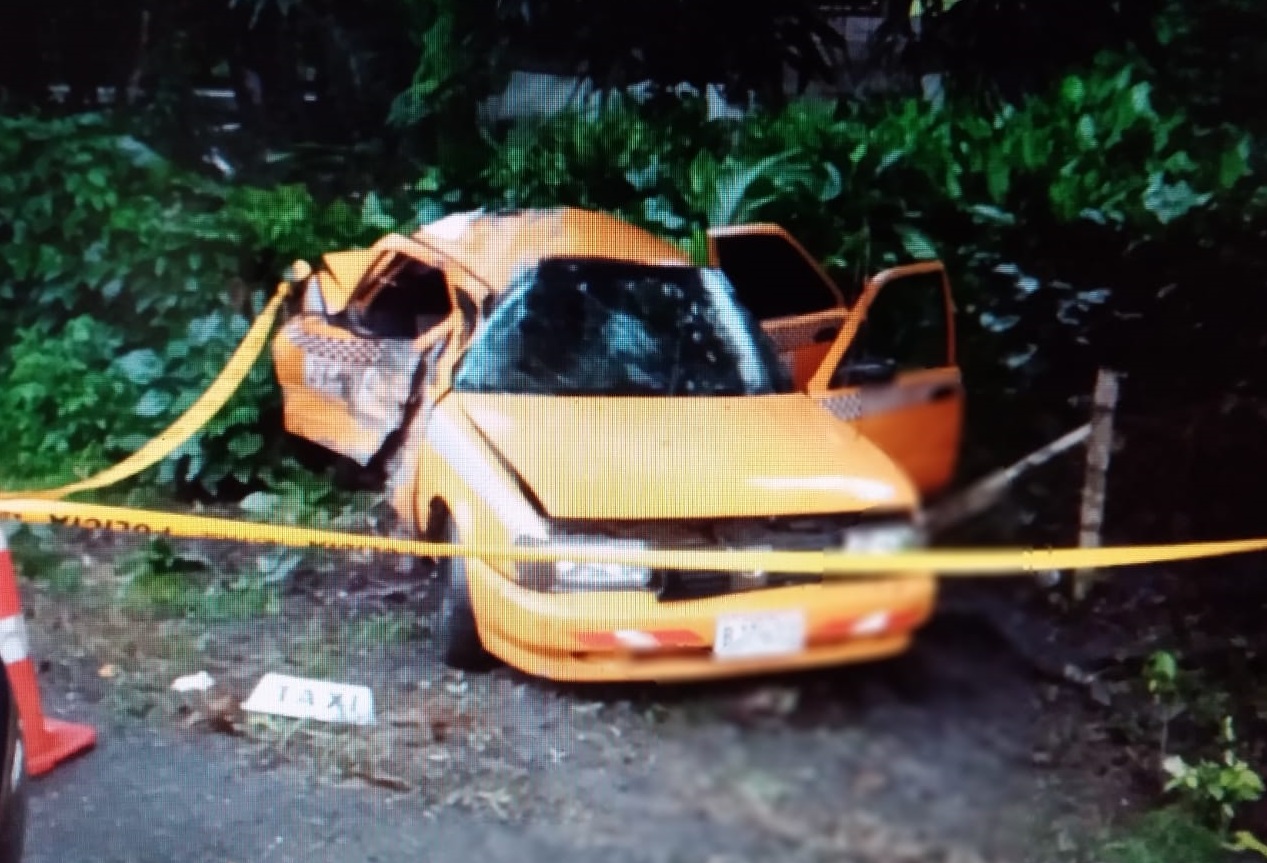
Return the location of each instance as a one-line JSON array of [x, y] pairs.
[[597, 327]]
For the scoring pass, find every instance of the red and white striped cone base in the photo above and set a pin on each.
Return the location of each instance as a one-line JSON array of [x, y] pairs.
[[48, 741]]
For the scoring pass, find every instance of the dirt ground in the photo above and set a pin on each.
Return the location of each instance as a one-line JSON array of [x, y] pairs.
[[963, 750]]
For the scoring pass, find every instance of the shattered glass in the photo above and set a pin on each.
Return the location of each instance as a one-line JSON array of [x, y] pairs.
[[591, 327]]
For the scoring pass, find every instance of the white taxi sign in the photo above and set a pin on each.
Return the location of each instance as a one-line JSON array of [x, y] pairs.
[[303, 698]]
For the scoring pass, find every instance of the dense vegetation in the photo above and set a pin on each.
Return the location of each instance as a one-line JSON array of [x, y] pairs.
[[1098, 196], [142, 271]]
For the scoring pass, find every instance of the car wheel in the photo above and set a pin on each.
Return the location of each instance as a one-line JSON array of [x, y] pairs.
[[12, 777], [459, 638]]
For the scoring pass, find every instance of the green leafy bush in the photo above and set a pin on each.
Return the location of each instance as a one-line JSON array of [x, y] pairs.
[[1000, 195], [62, 397], [130, 285], [889, 172], [1164, 836], [131, 280], [1215, 789]]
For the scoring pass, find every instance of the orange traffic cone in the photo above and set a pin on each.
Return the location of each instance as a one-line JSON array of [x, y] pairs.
[[48, 741]]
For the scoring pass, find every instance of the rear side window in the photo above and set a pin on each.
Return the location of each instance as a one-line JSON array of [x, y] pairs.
[[771, 276], [409, 298]]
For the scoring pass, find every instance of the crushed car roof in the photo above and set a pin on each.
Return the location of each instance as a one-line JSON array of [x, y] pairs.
[[495, 246]]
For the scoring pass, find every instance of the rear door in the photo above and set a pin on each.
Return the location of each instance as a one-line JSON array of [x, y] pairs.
[[796, 302], [360, 366], [892, 372]]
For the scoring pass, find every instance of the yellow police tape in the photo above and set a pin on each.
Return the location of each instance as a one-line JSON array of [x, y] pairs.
[[44, 506], [827, 563], [188, 424]]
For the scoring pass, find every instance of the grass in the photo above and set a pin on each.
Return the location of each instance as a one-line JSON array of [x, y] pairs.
[[36, 557], [321, 651], [178, 593], [317, 658], [316, 652], [384, 628], [336, 752], [160, 577], [133, 698], [1164, 836]]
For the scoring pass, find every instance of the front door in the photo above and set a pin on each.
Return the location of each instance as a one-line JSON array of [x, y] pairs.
[[891, 373]]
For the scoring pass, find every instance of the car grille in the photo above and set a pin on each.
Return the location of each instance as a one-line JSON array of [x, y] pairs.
[[782, 533], [669, 584]]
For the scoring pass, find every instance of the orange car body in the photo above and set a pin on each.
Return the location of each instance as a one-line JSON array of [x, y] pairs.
[[385, 365]]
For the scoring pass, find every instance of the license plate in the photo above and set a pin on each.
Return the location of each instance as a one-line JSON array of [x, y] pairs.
[[750, 636]]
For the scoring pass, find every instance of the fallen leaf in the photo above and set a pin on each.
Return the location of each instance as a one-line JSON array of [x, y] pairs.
[[222, 714], [766, 702], [385, 780], [200, 682], [869, 782]]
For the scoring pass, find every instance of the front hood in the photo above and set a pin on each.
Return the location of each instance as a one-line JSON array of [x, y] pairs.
[[648, 458]]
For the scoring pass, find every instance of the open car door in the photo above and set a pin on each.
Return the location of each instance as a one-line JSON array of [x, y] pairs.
[[886, 363], [349, 363], [892, 374], [796, 302]]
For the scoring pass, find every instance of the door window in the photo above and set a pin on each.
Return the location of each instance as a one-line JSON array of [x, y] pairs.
[[905, 329], [772, 275], [405, 299]]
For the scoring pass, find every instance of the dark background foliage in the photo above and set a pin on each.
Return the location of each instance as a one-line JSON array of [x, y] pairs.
[[1089, 171], [1074, 164]]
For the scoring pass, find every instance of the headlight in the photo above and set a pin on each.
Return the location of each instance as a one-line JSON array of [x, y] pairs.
[[884, 538], [570, 576]]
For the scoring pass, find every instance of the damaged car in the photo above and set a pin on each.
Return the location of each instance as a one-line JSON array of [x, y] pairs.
[[561, 377]]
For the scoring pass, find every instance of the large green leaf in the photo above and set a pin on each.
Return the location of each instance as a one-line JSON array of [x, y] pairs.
[[917, 243], [732, 201], [1171, 201], [142, 367]]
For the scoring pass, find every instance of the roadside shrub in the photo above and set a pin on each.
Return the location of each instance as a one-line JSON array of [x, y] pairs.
[[61, 398], [166, 268], [1001, 195], [129, 283]]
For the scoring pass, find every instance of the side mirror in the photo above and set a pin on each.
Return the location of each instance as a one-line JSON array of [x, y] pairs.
[[866, 371], [298, 272]]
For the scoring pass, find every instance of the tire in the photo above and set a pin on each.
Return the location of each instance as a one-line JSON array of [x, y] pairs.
[[459, 639], [13, 777]]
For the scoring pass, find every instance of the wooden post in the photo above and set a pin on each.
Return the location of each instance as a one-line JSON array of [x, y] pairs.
[[1099, 451]]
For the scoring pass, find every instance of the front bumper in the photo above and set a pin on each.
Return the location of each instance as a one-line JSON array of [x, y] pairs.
[[631, 635]]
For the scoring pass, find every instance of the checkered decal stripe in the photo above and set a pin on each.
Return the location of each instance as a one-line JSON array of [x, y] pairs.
[[357, 353], [845, 406], [789, 336], [854, 404]]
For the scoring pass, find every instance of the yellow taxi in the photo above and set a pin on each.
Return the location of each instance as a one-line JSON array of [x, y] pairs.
[[562, 377]]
